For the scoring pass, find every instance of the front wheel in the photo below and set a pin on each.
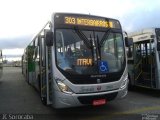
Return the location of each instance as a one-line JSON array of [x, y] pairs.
[[44, 100]]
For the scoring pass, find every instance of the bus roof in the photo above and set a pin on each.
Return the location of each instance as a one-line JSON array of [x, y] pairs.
[[65, 13]]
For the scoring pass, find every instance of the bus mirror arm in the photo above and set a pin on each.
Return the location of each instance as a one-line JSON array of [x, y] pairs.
[[49, 38], [128, 41]]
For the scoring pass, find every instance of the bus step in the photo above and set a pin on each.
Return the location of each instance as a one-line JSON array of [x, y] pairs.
[[147, 83]]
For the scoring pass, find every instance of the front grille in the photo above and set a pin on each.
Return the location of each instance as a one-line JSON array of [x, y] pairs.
[[89, 99]]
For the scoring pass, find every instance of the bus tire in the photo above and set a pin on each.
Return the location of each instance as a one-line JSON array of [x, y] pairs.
[[44, 100]]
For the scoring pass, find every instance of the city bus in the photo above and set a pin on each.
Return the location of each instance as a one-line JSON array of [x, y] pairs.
[[1, 63], [77, 60], [144, 58]]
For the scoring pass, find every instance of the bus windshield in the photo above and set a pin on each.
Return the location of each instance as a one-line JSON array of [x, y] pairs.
[[80, 52]]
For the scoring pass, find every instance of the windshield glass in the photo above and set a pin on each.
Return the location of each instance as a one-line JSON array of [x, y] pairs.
[[80, 52]]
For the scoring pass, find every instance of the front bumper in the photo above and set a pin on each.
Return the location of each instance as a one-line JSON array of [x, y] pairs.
[[63, 100]]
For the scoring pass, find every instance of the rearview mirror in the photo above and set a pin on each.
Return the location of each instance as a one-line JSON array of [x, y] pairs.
[[49, 38], [128, 41]]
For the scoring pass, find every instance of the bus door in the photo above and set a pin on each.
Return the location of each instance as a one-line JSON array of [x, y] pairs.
[[144, 67], [45, 84], [30, 65], [137, 62]]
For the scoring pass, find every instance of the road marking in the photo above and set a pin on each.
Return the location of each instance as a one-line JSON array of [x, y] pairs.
[[137, 111], [129, 112]]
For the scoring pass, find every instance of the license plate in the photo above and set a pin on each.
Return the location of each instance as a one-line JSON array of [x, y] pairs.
[[99, 102]]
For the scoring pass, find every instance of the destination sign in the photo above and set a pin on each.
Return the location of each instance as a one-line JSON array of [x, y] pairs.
[[84, 21]]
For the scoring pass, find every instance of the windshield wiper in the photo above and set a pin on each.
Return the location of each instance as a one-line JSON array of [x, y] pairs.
[[96, 47], [87, 42], [84, 38]]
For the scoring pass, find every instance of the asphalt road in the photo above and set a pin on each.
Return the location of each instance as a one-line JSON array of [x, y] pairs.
[[18, 99]]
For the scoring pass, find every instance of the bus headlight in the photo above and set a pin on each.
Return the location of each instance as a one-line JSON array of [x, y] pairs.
[[63, 87], [124, 82]]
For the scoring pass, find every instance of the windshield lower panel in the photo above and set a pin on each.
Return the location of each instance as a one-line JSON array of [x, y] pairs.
[[89, 52]]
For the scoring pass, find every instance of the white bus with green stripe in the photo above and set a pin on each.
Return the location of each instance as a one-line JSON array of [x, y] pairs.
[[77, 60], [144, 58]]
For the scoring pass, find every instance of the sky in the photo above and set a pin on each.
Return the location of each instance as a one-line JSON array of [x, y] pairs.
[[20, 20]]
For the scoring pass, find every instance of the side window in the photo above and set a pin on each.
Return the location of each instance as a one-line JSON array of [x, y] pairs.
[[60, 43], [30, 52], [36, 50]]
